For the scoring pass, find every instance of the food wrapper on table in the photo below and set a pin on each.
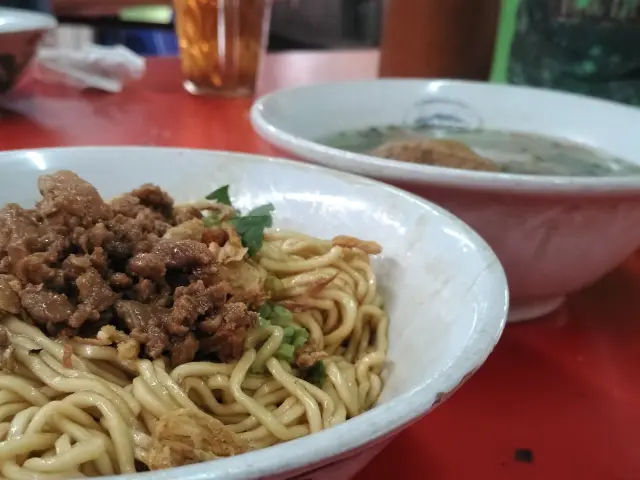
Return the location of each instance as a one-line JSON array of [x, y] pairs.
[[93, 66]]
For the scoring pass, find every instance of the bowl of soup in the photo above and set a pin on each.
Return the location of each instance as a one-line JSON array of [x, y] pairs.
[[550, 180]]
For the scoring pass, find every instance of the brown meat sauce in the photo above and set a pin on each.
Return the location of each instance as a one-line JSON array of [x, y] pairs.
[[436, 152], [76, 263]]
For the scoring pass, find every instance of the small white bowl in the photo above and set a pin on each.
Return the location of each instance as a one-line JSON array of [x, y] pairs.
[[554, 235], [20, 33], [443, 287]]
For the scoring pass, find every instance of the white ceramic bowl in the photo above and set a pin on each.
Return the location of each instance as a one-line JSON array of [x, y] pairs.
[[20, 33], [444, 288], [553, 235]]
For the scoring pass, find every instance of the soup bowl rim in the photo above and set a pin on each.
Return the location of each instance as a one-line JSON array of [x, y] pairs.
[[394, 170]]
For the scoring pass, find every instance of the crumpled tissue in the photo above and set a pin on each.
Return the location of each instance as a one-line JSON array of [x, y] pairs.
[[93, 66]]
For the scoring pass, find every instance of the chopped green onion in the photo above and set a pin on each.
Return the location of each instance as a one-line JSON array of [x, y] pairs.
[[281, 316], [273, 284], [286, 352], [300, 337], [294, 336], [289, 333], [265, 310], [264, 323]]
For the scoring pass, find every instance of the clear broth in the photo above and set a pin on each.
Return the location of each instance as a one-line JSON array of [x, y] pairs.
[[512, 152]]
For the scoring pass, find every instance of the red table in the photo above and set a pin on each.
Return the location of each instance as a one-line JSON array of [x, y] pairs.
[[567, 387]]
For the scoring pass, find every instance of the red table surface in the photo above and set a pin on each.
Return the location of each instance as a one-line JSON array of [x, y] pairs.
[[566, 386]]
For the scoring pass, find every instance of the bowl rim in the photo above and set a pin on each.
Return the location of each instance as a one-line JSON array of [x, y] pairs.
[[380, 421], [386, 169], [27, 21]]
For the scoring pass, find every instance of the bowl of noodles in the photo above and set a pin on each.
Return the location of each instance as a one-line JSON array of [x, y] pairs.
[[170, 313], [550, 180]]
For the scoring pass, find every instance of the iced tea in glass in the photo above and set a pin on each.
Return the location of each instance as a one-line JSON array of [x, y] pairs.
[[222, 43]]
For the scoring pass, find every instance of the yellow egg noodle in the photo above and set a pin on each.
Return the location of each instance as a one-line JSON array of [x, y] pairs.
[[93, 411]]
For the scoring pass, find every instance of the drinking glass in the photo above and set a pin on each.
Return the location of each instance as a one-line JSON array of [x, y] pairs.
[[222, 44]]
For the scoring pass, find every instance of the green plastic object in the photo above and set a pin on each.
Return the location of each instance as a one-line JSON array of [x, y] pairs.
[[506, 29], [581, 46], [160, 14]]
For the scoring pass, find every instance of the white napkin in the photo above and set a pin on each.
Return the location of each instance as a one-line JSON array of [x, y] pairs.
[[93, 66]]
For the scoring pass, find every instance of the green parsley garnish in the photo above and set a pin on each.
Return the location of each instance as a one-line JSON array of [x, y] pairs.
[[220, 195], [250, 227]]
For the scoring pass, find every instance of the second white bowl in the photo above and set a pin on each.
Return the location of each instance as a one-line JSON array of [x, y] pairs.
[[554, 235]]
